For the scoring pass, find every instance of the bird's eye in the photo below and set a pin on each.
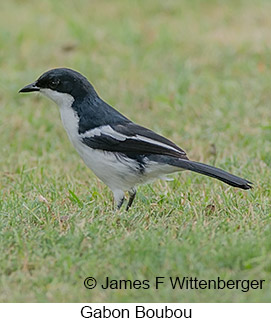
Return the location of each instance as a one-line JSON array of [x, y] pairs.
[[54, 84]]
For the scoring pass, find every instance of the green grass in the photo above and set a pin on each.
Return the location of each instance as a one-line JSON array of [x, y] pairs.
[[195, 71]]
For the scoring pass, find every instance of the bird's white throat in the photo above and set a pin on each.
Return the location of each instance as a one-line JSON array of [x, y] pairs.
[[61, 99], [68, 115]]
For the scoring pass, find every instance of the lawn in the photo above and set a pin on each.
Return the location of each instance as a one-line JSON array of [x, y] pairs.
[[195, 71]]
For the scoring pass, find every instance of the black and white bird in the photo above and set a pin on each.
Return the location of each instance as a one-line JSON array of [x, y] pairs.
[[121, 153]]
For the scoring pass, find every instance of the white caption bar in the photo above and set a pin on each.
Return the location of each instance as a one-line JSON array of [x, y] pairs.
[[145, 312]]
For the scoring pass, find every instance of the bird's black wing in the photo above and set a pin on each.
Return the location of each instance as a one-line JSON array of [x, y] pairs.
[[130, 139]]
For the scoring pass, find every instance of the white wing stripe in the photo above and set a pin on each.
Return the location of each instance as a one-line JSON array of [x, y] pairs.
[[108, 131], [152, 141], [104, 130]]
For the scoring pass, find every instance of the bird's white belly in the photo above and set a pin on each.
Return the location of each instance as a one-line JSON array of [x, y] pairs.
[[107, 166]]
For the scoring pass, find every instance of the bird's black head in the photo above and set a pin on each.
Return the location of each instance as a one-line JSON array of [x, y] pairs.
[[61, 81]]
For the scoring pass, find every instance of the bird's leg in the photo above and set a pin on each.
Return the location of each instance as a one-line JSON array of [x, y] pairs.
[[120, 202], [132, 195], [119, 198]]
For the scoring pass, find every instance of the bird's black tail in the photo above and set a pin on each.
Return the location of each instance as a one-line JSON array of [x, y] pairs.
[[214, 172], [205, 170]]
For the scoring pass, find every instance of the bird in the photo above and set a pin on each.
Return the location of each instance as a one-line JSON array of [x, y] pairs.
[[121, 153]]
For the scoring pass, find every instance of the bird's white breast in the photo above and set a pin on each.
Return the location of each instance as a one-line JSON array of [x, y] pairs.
[[70, 122]]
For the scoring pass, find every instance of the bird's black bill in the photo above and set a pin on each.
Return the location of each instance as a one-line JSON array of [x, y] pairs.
[[30, 88]]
